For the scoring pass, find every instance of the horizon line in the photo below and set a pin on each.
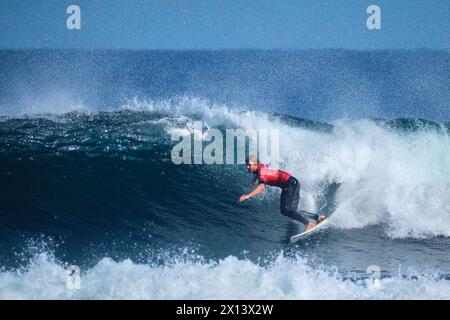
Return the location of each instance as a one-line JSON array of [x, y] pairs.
[[226, 49]]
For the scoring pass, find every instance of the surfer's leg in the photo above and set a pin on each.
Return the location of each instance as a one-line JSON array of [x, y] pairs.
[[303, 212], [290, 198], [315, 216], [308, 214], [293, 214]]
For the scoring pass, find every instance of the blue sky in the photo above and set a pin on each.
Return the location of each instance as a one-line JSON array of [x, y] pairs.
[[225, 24]]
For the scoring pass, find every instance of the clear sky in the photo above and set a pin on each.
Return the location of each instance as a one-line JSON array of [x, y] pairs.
[[225, 24]]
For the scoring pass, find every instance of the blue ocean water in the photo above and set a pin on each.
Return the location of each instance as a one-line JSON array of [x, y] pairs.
[[86, 176]]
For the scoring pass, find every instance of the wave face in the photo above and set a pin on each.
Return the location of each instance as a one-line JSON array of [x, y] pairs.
[[86, 178]]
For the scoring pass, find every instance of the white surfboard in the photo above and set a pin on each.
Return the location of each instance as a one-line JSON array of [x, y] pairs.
[[318, 227]]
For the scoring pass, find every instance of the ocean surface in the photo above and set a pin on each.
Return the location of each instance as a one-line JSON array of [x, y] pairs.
[[87, 180]]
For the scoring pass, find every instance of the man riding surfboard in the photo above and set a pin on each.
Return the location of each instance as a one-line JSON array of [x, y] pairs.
[[290, 186]]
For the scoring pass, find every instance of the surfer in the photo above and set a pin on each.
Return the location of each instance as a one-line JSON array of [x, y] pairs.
[[289, 185]]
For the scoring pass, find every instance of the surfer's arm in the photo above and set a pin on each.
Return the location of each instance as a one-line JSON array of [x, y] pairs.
[[255, 191]]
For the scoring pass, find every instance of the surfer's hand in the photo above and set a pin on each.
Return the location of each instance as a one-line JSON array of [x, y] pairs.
[[244, 197]]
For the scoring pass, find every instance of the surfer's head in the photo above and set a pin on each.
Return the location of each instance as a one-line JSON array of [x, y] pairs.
[[252, 163]]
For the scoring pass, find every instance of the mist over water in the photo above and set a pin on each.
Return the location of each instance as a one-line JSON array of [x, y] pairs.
[[316, 84]]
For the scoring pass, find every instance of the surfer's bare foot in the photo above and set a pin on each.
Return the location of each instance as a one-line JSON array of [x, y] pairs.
[[321, 218], [309, 226]]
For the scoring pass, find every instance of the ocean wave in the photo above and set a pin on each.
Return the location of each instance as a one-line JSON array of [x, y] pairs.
[[399, 179], [228, 278]]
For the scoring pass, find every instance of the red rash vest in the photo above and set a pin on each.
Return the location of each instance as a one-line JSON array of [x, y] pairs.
[[272, 177]]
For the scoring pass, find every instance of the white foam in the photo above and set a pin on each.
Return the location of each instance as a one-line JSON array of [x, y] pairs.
[[230, 278]]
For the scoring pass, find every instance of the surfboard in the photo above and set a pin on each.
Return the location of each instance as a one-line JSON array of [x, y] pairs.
[[318, 227]]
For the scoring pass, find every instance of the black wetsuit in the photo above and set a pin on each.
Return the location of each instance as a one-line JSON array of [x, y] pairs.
[[290, 197]]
